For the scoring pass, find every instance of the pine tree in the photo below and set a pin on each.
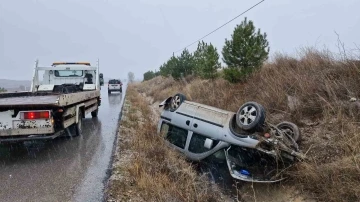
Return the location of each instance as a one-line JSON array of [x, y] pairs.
[[184, 65], [206, 61], [245, 51]]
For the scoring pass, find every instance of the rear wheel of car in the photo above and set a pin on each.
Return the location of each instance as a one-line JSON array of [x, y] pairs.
[[120, 89], [251, 116], [291, 129], [176, 101], [95, 113], [109, 92]]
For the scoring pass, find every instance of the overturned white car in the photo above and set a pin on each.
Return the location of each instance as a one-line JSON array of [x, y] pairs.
[[255, 151]]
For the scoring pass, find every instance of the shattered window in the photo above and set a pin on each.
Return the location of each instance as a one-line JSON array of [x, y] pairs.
[[175, 135], [197, 144]]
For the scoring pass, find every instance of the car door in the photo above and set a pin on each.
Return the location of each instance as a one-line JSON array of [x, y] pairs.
[[184, 116], [200, 146], [209, 121], [207, 129]]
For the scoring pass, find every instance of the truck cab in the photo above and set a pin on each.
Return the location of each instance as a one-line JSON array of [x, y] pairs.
[[67, 77]]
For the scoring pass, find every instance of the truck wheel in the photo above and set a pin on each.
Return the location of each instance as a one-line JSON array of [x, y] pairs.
[[78, 125], [94, 113]]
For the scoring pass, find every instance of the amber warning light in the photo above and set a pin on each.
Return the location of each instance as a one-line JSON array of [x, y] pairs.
[[71, 63], [35, 115]]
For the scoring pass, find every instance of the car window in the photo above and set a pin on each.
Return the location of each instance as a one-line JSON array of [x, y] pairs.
[[114, 82], [175, 135], [69, 73], [197, 144]]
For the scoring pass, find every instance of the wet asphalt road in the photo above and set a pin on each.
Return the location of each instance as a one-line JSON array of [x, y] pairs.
[[64, 169]]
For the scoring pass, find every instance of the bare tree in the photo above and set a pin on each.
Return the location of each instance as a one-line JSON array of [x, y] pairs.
[[131, 77]]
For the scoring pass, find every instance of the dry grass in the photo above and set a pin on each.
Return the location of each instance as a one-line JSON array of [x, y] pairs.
[[156, 172], [322, 86]]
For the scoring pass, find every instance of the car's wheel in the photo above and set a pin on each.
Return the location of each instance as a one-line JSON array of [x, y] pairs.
[[176, 101], [251, 116], [120, 90], [291, 129], [109, 92], [94, 113]]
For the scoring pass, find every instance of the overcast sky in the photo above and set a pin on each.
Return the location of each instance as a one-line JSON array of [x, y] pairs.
[[139, 35]]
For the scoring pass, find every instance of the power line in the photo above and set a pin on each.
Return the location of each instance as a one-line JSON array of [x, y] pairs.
[[220, 26]]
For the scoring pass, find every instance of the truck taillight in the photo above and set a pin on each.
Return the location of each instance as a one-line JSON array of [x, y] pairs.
[[35, 115]]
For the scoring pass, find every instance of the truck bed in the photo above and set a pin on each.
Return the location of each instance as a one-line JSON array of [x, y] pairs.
[[26, 99], [29, 100]]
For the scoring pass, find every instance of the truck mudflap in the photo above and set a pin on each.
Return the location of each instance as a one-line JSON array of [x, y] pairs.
[[240, 171], [30, 137]]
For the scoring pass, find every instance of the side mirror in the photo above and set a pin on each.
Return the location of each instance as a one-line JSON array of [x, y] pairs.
[[208, 143]]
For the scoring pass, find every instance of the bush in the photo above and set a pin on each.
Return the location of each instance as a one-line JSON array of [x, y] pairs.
[[232, 75], [149, 75]]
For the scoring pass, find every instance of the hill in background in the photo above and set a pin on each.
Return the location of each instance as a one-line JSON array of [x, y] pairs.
[[15, 85]]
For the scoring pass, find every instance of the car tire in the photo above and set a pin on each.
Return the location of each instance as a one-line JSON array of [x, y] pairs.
[[251, 116], [176, 101], [109, 92], [291, 129], [94, 113], [120, 90]]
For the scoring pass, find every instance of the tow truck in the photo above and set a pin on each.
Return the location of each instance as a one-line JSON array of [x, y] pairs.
[[55, 105]]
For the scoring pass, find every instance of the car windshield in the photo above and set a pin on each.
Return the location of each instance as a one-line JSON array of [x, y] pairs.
[[68, 73]]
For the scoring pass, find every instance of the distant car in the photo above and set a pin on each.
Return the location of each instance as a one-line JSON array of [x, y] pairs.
[[114, 85]]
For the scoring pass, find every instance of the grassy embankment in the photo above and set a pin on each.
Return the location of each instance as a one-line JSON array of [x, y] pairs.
[[145, 169], [312, 91]]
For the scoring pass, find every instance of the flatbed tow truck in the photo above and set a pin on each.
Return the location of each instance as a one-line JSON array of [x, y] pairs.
[[54, 106]]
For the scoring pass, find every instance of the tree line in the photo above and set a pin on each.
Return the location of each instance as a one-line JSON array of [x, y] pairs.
[[243, 53]]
